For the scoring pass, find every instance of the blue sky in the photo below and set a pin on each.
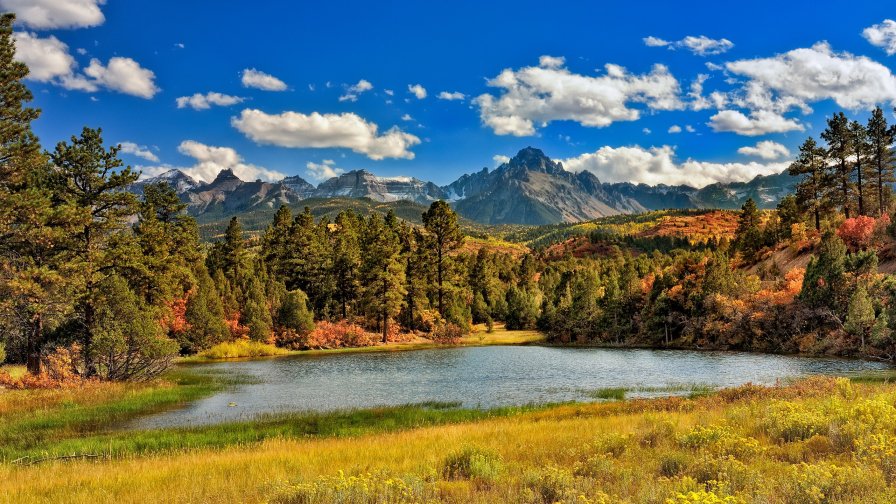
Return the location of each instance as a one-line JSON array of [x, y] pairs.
[[530, 73]]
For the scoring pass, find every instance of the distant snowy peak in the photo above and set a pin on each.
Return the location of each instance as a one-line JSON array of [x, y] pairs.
[[180, 181], [363, 184]]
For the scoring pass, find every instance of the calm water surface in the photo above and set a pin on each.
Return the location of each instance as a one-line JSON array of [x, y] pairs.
[[477, 377]]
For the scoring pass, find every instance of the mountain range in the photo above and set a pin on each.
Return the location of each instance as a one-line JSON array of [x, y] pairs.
[[530, 188]]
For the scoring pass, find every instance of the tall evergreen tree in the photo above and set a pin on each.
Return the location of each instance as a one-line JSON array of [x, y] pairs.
[[91, 179], [382, 272], [35, 272], [346, 258], [441, 223], [840, 150], [813, 190], [748, 235], [204, 315], [882, 158], [860, 151]]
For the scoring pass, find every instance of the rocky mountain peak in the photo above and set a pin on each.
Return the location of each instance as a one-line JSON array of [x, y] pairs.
[[533, 159]]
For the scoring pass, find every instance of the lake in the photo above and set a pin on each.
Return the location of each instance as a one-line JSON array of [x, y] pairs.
[[479, 377]]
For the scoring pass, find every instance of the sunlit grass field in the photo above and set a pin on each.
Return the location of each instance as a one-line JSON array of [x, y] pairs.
[[819, 440]]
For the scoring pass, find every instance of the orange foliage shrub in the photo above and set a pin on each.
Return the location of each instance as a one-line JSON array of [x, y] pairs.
[[59, 370], [175, 318], [447, 334], [859, 232], [339, 335]]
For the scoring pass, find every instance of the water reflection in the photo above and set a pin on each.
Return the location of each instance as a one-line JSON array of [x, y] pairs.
[[478, 377]]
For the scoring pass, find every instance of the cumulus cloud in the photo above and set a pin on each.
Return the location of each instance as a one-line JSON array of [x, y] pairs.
[[657, 165], [324, 170], [123, 75], [47, 58], [674, 129], [417, 90], [352, 92], [500, 159], [140, 151], [48, 14], [210, 161], [802, 76], [765, 149], [315, 130], [760, 122], [699, 45], [199, 101], [456, 95], [882, 35], [538, 95], [257, 79], [546, 61], [407, 117]]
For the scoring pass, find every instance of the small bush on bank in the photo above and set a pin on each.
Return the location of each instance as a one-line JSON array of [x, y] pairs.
[[476, 464], [241, 349]]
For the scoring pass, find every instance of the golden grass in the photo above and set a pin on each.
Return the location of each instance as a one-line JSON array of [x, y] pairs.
[[811, 442]]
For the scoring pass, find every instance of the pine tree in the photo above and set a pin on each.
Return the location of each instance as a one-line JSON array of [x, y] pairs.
[[256, 315], [813, 190], [382, 272], [825, 282], [204, 315], [275, 242], [35, 272], [90, 178], [860, 317], [441, 223], [860, 151], [346, 255], [882, 158], [840, 149], [294, 313], [748, 236]]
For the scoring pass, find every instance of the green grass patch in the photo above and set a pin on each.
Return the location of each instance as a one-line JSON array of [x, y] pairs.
[[609, 394], [240, 349], [291, 425], [30, 431]]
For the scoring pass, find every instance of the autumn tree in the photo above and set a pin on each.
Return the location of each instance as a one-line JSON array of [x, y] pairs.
[[440, 222]]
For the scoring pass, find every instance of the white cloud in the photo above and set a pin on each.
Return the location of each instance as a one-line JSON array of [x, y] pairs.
[[253, 78], [352, 92], [537, 95], [701, 45], [324, 170], [140, 151], [417, 90], [500, 159], [674, 129], [456, 95], [655, 42], [765, 149], [315, 130], [48, 14], [882, 35], [179, 45], [210, 161], [689, 128], [803, 76], [758, 123], [47, 58], [123, 75], [546, 61], [646, 131], [657, 165], [199, 101], [407, 117], [389, 92]]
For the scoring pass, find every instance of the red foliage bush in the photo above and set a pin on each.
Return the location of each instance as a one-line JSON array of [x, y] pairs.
[[338, 335], [857, 232], [447, 334]]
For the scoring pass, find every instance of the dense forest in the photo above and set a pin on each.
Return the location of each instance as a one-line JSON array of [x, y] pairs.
[[98, 282]]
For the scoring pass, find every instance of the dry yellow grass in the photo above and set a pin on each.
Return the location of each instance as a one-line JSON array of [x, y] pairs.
[[798, 444]]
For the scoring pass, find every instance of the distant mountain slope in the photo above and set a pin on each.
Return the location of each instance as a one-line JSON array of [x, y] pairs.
[[530, 189], [363, 184]]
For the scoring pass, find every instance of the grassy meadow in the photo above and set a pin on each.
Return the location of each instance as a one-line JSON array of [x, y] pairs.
[[818, 440]]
